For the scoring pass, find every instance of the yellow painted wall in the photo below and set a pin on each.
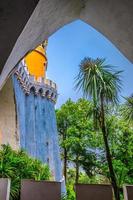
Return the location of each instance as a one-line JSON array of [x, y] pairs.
[[36, 62]]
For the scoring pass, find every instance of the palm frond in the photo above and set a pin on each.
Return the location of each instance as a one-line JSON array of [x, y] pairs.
[[95, 77], [127, 111]]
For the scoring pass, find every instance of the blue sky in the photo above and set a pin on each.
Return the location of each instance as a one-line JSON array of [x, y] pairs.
[[69, 45]]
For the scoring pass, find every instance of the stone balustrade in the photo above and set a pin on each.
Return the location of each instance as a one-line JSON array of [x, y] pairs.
[[41, 86]]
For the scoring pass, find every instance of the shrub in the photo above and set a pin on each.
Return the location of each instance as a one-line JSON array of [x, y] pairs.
[[70, 193], [17, 165]]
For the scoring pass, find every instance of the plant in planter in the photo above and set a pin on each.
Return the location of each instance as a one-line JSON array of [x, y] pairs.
[[17, 165]]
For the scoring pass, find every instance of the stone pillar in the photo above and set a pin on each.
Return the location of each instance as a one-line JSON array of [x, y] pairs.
[[8, 118]]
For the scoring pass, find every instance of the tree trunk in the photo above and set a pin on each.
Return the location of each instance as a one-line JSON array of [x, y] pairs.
[[65, 164], [108, 154], [77, 170], [126, 141]]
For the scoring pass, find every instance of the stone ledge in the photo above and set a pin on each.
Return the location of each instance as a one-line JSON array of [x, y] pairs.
[[43, 87]]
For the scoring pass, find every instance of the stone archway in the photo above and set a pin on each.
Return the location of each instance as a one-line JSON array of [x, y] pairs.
[[112, 18]]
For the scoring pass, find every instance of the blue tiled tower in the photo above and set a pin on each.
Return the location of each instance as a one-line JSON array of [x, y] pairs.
[[35, 101]]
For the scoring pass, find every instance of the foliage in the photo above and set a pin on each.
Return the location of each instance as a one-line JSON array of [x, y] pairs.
[[128, 109], [95, 77], [99, 137], [73, 120], [93, 163], [102, 84], [121, 139], [17, 165], [70, 192], [98, 80]]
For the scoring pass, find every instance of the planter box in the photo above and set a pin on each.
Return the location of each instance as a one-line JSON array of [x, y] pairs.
[[4, 189], [93, 192], [128, 192], [40, 190]]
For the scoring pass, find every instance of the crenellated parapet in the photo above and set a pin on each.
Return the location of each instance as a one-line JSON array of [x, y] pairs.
[[41, 86]]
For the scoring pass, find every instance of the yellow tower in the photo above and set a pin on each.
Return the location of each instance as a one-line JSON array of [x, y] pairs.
[[36, 61]]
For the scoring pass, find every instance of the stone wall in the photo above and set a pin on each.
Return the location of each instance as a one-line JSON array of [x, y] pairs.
[[112, 18], [8, 118]]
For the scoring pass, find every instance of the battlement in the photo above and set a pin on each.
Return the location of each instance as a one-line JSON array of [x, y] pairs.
[[41, 86]]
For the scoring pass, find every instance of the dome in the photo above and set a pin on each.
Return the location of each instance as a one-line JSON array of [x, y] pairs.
[[36, 61]]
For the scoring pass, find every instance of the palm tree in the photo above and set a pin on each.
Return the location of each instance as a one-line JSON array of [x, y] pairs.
[[102, 84], [127, 110]]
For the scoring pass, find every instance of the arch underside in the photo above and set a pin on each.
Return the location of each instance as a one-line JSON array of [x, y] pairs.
[[114, 19]]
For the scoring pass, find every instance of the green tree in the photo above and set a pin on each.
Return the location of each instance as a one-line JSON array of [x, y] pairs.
[[17, 165], [102, 84], [73, 122], [64, 120], [128, 109], [120, 139]]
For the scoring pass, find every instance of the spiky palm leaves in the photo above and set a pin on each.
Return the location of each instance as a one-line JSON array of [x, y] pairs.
[[102, 84], [97, 80], [128, 109]]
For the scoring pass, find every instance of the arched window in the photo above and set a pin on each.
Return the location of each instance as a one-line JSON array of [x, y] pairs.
[[40, 91], [47, 93], [32, 90]]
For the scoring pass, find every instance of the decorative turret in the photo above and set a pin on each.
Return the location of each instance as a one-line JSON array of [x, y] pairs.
[[36, 61], [31, 73]]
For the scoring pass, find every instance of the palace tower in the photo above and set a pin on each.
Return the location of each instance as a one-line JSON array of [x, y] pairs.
[[35, 99]]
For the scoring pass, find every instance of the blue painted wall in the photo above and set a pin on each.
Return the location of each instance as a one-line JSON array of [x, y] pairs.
[[37, 127]]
